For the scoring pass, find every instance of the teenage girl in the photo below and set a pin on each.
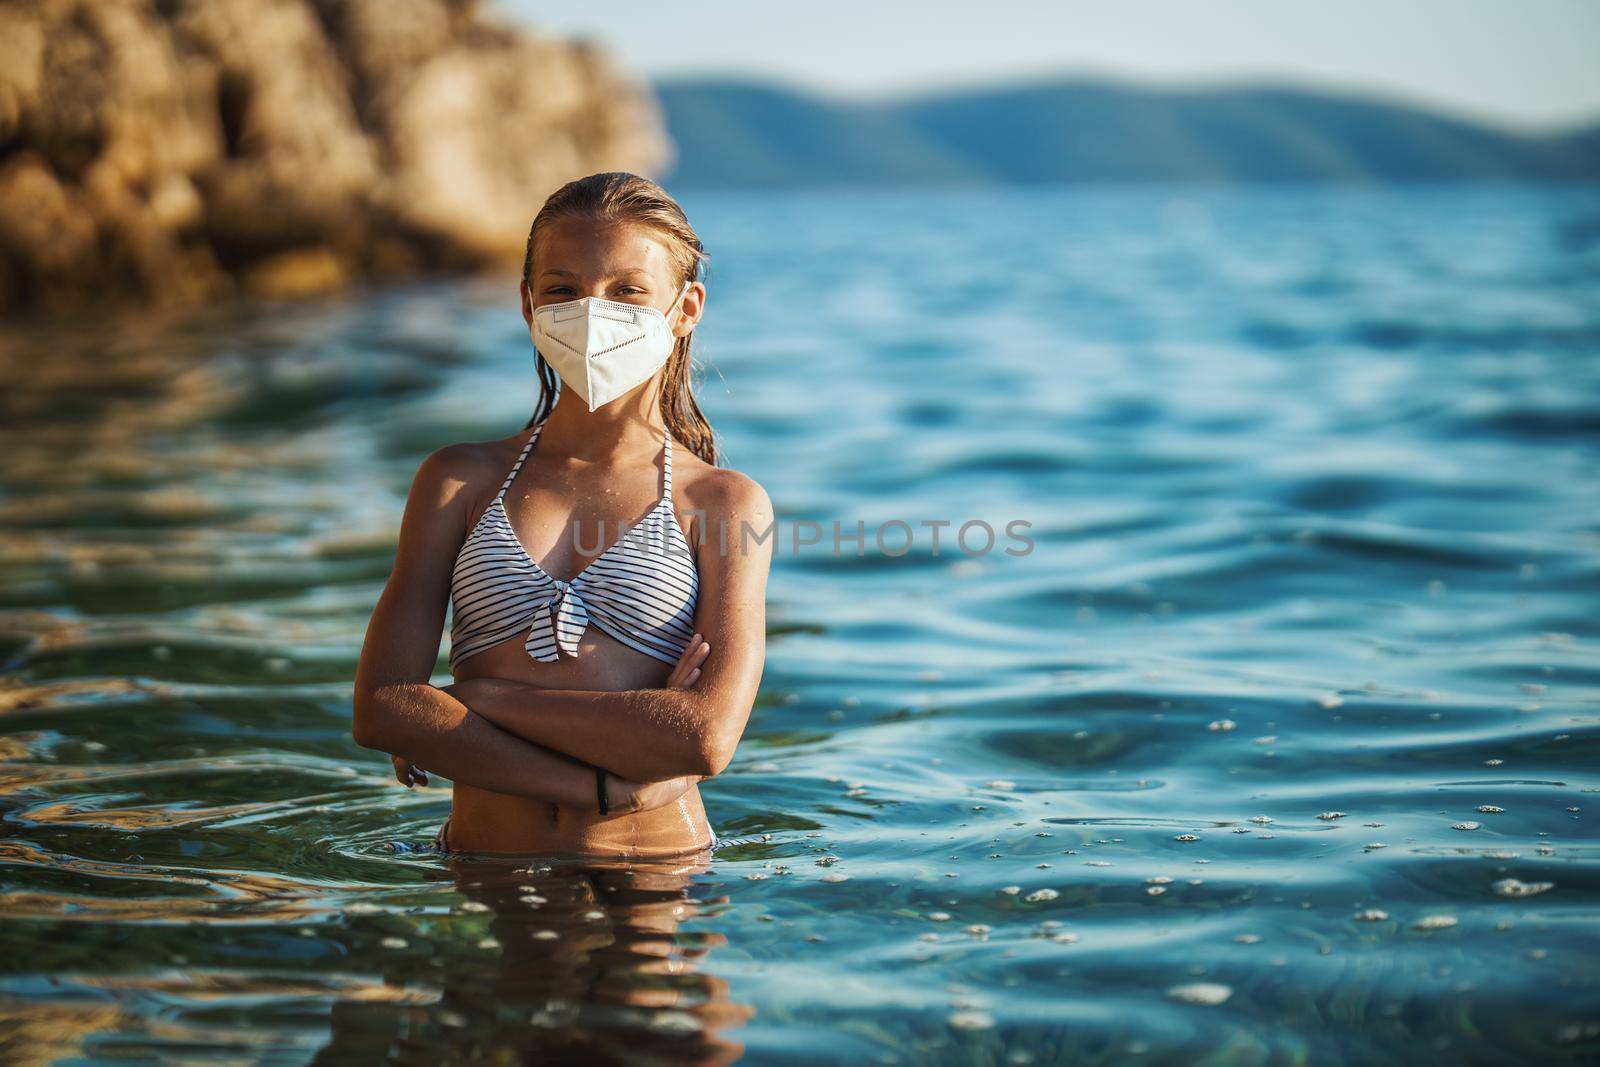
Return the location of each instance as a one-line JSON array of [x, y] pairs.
[[607, 579]]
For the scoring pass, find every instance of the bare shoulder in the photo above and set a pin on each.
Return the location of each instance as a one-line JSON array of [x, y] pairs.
[[729, 508], [721, 492], [467, 470]]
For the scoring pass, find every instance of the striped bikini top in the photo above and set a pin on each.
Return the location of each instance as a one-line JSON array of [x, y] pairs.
[[641, 590]]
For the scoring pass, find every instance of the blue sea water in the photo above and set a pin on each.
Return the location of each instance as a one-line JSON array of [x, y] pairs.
[[1276, 743]]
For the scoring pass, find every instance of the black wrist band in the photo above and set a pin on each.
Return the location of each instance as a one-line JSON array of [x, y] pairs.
[[600, 788]]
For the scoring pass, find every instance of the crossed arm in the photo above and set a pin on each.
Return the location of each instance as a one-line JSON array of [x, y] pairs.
[[519, 739]]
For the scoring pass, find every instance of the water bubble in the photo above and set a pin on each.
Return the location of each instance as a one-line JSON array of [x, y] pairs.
[[1220, 725], [1466, 825], [1435, 922], [939, 916], [1371, 915], [393, 942], [1490, 809], [1511, 887], [1185, 837], [1207, 993], [1041, 894], [1329, 816], [971, 1020], [835, 876]]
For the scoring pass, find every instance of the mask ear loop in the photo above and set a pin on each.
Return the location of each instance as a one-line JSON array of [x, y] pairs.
[[677, 304]]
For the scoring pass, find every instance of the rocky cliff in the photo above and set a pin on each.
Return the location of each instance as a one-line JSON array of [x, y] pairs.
[[181, 151]]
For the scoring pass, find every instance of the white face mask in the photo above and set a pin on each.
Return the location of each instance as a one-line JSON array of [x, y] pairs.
[[603, 348]]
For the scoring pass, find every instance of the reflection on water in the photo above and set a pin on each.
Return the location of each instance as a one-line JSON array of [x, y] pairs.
[[575, 962], [1278, 747]]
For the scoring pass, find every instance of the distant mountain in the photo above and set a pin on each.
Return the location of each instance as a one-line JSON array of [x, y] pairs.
[[744, 134]]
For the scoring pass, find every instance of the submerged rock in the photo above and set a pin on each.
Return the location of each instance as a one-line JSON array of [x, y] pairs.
[[176, 152]]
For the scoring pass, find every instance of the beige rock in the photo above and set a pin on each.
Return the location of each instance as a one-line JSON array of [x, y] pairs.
[[174, 153]]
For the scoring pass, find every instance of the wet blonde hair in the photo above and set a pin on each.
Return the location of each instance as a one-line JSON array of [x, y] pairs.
[[618, 196]]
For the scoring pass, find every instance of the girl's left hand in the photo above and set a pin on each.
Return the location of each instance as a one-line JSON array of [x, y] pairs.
[[407, 773]]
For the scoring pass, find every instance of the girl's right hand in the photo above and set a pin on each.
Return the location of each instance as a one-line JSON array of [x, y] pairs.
[[687, 670], [626, 795]]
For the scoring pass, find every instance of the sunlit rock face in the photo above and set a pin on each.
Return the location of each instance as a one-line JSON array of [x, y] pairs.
[[181, 151]]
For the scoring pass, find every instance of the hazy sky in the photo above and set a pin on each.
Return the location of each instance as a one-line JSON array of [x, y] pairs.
[[1523, 62]]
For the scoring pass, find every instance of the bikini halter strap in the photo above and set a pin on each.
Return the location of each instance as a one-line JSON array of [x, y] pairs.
[[666, 468], [520, 459]]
